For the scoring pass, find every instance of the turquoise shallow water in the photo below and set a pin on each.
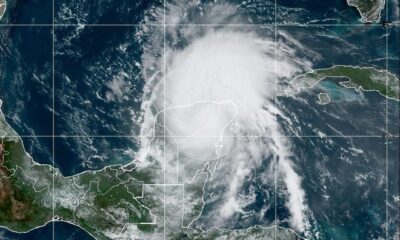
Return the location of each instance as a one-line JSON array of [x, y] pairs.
[[339, 93]]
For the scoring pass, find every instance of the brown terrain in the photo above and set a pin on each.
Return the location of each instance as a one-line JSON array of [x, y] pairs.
[[4, 185], [18, 209], [7, 194]]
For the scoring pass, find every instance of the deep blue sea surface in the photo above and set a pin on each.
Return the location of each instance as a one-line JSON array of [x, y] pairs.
[[97, 126], [63, 231]]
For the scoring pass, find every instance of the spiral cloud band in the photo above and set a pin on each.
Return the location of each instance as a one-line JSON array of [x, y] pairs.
[[213, 101]]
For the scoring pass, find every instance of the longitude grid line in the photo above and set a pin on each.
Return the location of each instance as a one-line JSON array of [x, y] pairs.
[[164, 72], [387, 124], [275, 127], [53, 115], [398, 131]]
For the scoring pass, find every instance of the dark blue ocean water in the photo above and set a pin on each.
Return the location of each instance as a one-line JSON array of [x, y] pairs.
[[89, 58], [26, 85], [63, 231], [89, 62], [28, 12]]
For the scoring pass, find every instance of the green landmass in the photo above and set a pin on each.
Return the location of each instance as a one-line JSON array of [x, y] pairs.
[[101, 202], [369, 10], [110, 203], [193, 199], [363, 78]]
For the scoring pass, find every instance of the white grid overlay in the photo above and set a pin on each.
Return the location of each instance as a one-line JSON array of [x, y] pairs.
[[53, 112], [387, 127], [275, 26], [164, 106], [275, 128], [191, 25]]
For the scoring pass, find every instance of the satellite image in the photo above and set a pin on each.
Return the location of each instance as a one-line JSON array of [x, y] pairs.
[[199, 119]]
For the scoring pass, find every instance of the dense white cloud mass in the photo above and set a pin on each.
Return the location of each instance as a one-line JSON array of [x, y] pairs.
[[212, 96], [222, 67]]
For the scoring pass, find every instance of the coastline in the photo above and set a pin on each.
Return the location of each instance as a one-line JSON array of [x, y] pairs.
[[312, 78], [366, 16]]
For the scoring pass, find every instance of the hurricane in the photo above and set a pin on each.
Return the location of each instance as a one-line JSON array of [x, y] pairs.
[[211, 109]]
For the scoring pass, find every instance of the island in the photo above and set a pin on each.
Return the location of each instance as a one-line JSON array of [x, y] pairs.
[[323, 98], [370, 10], [3, 5], [359, 78]]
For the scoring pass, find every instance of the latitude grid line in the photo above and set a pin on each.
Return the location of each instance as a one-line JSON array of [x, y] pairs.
[[275, 25], [227, 136], [191, 25]]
